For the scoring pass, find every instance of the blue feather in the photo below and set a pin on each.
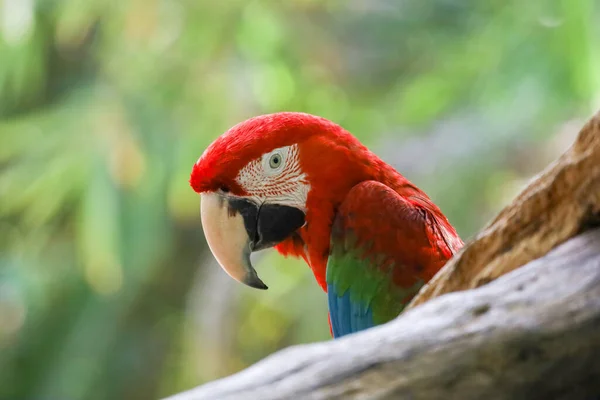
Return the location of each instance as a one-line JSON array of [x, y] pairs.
[[347, 316]]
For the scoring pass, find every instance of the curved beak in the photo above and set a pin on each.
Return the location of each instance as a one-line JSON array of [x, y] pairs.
[[235, 227]]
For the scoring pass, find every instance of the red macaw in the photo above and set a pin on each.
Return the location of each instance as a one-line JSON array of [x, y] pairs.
[[309, 188]]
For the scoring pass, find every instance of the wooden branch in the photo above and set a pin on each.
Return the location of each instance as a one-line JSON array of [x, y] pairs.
[[532, 334], [554, 207]]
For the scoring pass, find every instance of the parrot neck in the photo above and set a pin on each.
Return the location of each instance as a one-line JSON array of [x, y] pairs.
[[312, 241], [343, 162]]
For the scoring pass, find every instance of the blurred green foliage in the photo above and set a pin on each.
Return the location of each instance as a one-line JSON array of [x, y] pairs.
[[105, 105]]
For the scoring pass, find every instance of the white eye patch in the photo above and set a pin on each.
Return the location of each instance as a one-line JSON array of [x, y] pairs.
[[276, 177]]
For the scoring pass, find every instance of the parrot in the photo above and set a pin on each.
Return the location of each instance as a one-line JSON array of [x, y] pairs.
[[305, 186]]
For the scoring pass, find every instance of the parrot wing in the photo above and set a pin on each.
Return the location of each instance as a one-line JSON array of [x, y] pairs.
[[384, 247]]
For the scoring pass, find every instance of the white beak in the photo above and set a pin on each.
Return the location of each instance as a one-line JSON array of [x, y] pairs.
[[228, 239]]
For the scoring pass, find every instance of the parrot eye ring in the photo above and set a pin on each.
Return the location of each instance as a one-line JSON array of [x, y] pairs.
[[275, 161]]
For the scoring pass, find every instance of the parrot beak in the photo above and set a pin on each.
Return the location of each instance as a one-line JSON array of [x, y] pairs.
[[235, 227]]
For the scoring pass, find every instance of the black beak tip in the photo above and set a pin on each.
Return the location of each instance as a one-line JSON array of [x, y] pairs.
[[255, 282]]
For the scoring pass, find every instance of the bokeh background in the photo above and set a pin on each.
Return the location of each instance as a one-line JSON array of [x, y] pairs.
[[107, 290]]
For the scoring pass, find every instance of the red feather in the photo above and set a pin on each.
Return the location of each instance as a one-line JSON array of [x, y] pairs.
[[405, 231]]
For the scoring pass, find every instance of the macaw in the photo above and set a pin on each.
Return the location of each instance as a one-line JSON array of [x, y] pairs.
[[307, 187]]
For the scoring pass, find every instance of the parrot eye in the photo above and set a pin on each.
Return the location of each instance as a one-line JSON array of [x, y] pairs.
[[275, 161]]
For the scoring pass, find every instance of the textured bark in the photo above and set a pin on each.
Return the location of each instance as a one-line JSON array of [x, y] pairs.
[[562, 201], [532, 334]]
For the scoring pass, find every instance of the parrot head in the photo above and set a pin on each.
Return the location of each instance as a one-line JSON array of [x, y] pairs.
[[275, 181]]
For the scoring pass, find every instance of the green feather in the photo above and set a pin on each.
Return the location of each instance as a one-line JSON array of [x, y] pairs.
[[370, 286]]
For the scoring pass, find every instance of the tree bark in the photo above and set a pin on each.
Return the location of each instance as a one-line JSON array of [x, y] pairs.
[[531, 334]]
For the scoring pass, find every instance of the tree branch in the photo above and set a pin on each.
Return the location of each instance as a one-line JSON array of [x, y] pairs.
[[533, 334]]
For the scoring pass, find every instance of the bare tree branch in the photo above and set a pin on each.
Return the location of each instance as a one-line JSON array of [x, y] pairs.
[[533, 334]]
